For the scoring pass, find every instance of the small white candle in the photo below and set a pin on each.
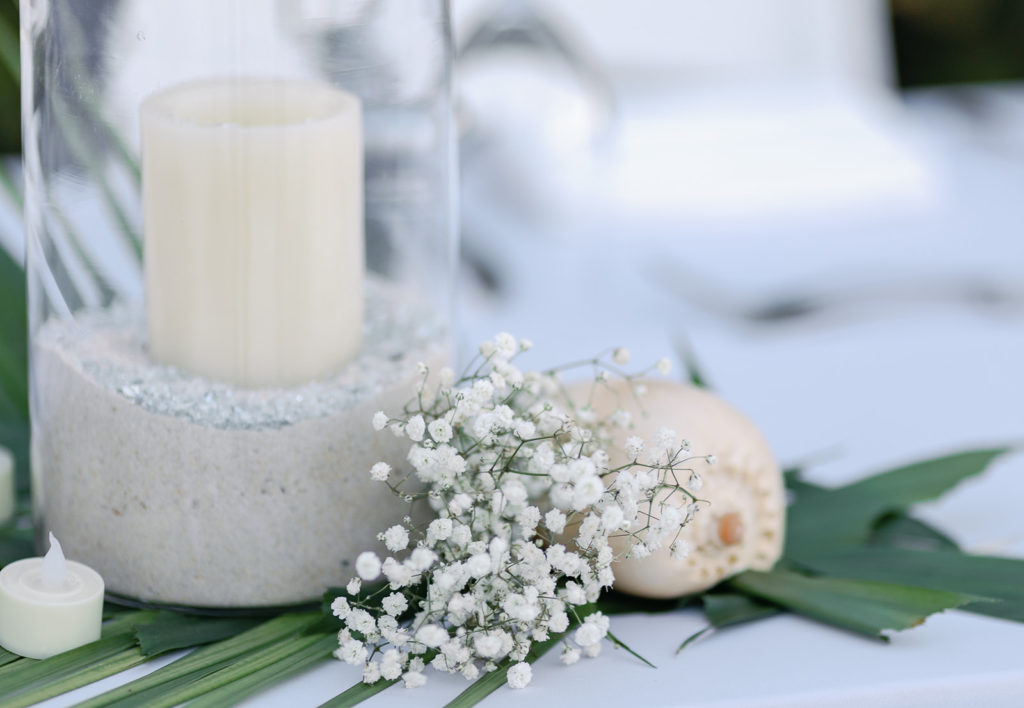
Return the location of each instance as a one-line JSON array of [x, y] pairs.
[[252, 196], [49, 605], [8, 492]]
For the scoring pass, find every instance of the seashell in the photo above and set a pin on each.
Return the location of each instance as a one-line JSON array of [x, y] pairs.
[[742, 525]]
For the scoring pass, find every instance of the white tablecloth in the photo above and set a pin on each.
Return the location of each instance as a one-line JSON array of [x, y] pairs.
[[867, 385]]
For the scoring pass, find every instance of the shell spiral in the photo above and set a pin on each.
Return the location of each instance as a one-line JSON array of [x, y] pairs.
[[742, 525]]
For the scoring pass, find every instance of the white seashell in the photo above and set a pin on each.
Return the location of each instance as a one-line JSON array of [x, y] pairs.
[[743, 524]]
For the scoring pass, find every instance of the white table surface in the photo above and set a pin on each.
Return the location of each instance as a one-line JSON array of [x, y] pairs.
[[868, 386]]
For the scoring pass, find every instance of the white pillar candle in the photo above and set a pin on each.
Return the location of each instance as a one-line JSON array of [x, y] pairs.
[[8, 492], [49, 605], [253, 212]]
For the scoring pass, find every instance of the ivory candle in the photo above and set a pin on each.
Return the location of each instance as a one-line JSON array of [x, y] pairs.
[[252, 197], [7, 487], [49, 605]]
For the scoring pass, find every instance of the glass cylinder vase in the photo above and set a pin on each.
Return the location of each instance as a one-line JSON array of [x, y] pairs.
[[240, 246]]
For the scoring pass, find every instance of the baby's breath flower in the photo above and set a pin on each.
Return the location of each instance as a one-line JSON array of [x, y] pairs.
[[695, 482], [680, 549], [371, 672], [415, 427], [519, 675], [440, 430], [352, 652], [479, 565], [368, 565], [586, 492], [395, 604], [634, 447], [340, 608], [380, 471], [515, 476], [555, 521], [505, 345], [413, 679], [396, 538], [361, 621], [664, 366], [431, 635]]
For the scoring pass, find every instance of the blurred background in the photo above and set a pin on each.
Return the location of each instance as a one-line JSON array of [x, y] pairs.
[[820, 203]]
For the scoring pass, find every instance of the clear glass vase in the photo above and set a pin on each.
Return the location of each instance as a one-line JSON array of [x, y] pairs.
[[240, 244]]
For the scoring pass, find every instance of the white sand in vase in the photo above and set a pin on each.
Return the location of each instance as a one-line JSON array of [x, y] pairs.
[[181, 490]]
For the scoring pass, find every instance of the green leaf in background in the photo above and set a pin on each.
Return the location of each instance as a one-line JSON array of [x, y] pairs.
[[212, 658], [13, 341], [727, 609], [297, 663], [10, 79], [868, 608], [358, 693], [1001, 579], [902, 531], [15, 544], [7, 657], [171, 630], [622, 645], [692, 368], [617, 603], [14, 426], [844, 517], [246, 665]]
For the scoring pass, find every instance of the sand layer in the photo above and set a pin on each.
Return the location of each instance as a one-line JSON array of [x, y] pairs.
[[183, 491]]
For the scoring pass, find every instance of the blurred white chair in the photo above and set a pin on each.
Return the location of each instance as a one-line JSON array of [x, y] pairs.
[[737, 109], [834, 40]]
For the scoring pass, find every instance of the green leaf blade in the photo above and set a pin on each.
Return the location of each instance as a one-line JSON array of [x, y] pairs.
[[724, 609], [358, 693], [866, 607], [213, 655], [902, 531], [240, 689], [1001, 579], [175, 631], [843, 517]]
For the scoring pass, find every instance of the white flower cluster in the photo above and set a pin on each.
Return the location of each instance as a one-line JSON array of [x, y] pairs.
[[523, 504]]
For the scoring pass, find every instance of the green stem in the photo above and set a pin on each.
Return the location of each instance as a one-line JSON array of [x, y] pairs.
[[247, 665], [358, 693], [77, 667], [270, 632], [299, 662], [7, 657], [113, 664]]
